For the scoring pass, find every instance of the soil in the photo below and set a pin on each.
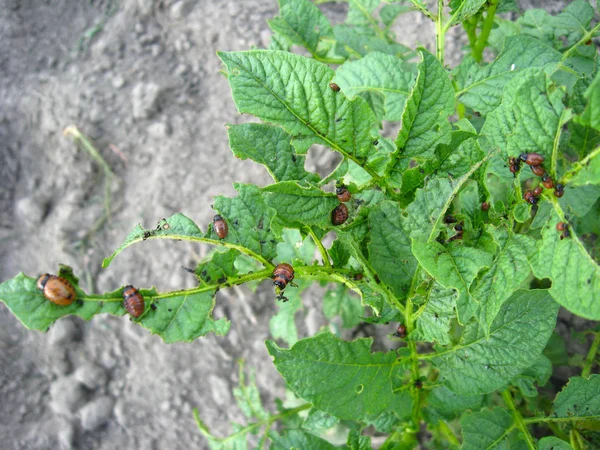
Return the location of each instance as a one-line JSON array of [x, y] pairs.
[[141, 79]]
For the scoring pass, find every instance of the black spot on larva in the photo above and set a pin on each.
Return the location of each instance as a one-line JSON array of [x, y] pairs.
[[153, 306]]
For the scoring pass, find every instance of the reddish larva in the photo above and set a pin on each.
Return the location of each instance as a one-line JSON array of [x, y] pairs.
[[532, 159], [56, 289], [133, 301], [537, 191], [343, 194], [485, 206], [538, 170], [334, 87], [282, 275], [220, 227], [547, 181], [561, 226], [400, 331], [339, 215]]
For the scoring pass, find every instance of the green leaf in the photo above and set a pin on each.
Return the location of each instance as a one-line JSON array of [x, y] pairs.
[[302, 23], [381, 75], [487, 429], [357, 442], [298, 439], [21, 295], [463, 9], [481, 88], [217, 268], [389, 249], [574, 21], [454, 266], [553, 443], [538, 373], [433, 324], [341, 378], [424, 214], [271, 147], [183, 317], [579, 399], [591, 114], [575, 275], [294, 247], [282, 324], [293, 91], [481, 364], [360, 13], [301, 205], [529, 118], [359, 42], [425, 117], [340, 302], [247, 396], [590, 174], [450, 405], [389, 13], [317, 421], [250, 221], [508, 271]]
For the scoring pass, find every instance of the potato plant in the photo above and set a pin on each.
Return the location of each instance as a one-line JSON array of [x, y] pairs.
[[464, 227]]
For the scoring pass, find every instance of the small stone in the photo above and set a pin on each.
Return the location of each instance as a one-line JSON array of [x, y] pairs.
[[118, 81], [220, 390], [143, 99], [180, 9], [96, 413], [91, 375], [158, 130], [67, 396], [31, 210], [62, 332]]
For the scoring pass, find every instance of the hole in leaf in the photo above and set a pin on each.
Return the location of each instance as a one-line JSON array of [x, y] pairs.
[[359, 389]]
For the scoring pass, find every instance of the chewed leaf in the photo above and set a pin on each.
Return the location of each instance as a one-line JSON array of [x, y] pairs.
[[293, 91], [174, 316], [575, 275], [385, 76], [177, 226], [29, 305], [341, 378], [487, 429], [305, 205], [250, 221], [579, 399], [481, 364], [270, 146]]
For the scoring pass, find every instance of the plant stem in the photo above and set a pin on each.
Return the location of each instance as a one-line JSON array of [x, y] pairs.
[[580, 165], [518, 419], [566, 114], [424, 10], [488, 23], [319, 244], [586, 37], [591, 356], [440, 33]]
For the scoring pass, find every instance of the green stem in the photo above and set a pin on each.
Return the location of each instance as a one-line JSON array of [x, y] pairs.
[[530, 420], [440, 33], [244, 431], [561, 121], [319, 245], [518, 419], [586, 37], [488, 23], [580, 165], [470, 26], [591, 357], [422, 8]]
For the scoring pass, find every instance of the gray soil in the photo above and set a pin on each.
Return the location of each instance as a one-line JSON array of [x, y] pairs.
[[141, 78]]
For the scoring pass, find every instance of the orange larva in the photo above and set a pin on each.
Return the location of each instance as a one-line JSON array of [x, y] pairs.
[[282, 275], [220, 227], [538, 170], [400, 331], [133, 301], [56, 289], [334, 87], [532, 158], [343, 194], [339, 215]]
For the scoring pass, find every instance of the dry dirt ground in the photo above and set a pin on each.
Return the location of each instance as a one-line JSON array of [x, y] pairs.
[[141, 78]]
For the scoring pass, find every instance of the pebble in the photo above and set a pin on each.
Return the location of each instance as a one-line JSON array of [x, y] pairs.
[[143, 99], [181, 9], [30, 210], [67, 396], [158, 130], [91, 375], [96, 413], [220, 390], [62, 332], [118, 81]]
